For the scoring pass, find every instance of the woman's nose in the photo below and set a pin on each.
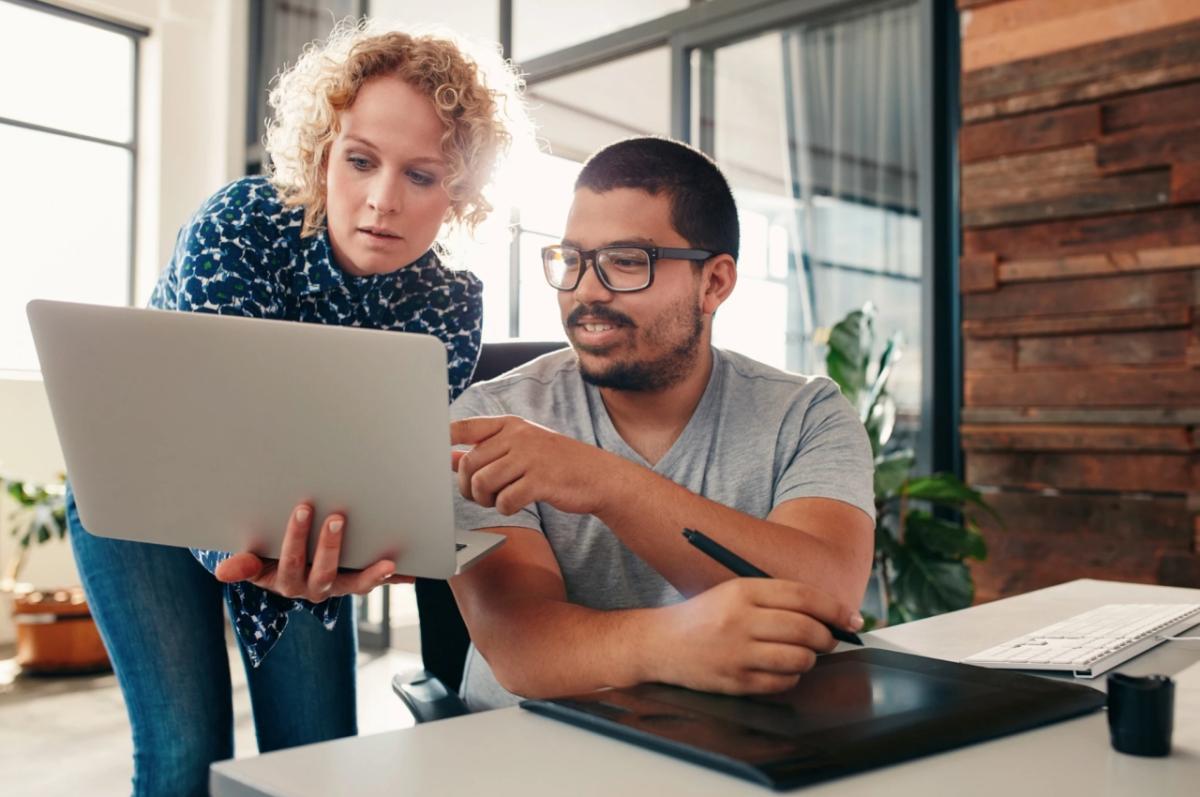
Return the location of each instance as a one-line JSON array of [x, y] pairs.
[[385, 197]]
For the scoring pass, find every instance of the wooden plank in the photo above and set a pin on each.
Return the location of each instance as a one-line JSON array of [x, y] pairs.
[[1158, 348], [1057, 96], [1092, 64], [966, 4], [1178, 569], [1083, 198], [1118, 262], [1057, 33], [978, 272], [1020, 14], [1088, 295], [1055, 128], [1150, 146], [1153, 473], [1056, 164], [1127, 231], [997, 354], [1158, 416], [1046, 539], [1041, 437], [1146, 387], [1171, 105], [1037, 189], [1157, 318], [1185, 182]]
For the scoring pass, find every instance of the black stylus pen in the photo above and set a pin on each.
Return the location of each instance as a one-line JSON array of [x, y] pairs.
[[741, 567]]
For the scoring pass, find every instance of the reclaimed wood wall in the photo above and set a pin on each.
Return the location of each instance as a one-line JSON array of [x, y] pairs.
[[1080, 279]]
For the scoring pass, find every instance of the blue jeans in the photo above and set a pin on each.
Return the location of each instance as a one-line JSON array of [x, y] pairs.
[[161, 617]]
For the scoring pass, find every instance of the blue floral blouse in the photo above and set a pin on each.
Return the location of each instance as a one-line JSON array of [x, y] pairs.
[[242, 254]]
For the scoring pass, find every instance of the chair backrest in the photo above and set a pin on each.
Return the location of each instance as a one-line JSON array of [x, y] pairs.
[[444, 637]]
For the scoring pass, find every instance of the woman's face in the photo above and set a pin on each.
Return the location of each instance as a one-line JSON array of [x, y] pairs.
[[384, 196]]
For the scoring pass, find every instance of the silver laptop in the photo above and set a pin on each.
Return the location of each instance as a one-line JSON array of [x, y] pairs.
[[205, 431]]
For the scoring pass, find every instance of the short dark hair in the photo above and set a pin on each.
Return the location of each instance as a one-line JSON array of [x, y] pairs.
[[702, 206]]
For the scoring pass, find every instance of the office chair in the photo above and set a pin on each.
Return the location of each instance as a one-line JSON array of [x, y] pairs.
[[432, 693]]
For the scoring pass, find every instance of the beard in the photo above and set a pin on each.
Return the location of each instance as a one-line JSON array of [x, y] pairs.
[[659, 373]]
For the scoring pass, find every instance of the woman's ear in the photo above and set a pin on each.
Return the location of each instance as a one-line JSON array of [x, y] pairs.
[[719, 277]]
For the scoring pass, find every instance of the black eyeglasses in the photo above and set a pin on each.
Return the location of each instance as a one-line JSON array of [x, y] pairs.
[[621, 268]]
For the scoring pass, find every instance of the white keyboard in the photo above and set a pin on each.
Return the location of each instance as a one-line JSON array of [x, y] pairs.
[[1091, 643]]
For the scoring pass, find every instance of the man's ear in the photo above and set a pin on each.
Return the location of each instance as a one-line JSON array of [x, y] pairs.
[[719, 277]]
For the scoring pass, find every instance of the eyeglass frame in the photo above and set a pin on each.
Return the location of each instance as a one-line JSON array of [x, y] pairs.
[[653, 255]]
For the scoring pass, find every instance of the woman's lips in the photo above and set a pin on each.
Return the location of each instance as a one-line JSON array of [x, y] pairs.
[[382, 236]]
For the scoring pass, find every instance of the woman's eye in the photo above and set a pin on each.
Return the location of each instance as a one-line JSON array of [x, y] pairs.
[[420, 178], [361, 164]]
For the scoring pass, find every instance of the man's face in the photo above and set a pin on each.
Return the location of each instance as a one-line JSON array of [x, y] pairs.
[[642, 341]]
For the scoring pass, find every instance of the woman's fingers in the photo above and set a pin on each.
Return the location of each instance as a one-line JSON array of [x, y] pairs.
[[291, 573], [325, 560], [363, 581], [242, 566]]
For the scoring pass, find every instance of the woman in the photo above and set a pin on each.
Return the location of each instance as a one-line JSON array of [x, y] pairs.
[[379, 141]]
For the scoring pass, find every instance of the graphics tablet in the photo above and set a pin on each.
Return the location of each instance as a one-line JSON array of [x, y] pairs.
[[854, 711], [205, 431]]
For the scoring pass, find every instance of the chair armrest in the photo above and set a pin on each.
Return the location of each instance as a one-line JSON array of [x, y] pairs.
[[427, 697]]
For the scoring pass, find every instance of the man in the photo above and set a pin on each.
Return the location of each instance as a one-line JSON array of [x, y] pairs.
[[593, 460]]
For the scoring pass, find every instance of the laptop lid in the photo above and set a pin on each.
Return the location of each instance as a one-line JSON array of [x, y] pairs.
[[205, 431], [854, 711]]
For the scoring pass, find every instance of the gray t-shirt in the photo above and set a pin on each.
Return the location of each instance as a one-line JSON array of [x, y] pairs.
[[758, 437]]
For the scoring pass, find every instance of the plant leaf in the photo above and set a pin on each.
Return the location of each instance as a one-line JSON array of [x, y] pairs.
[[925, 587], [947, 489], [952, 541], [891, 472], [850, 344]]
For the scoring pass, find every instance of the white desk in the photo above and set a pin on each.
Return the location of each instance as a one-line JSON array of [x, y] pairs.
[[513, 752]]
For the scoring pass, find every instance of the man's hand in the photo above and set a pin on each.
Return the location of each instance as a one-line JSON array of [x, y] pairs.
[[515, 462], [292, 576], [745, 636]]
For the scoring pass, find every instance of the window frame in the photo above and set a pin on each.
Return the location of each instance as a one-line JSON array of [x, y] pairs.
[[135, 34]]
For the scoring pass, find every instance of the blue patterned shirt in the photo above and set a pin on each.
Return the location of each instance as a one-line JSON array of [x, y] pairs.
[[242, 254]]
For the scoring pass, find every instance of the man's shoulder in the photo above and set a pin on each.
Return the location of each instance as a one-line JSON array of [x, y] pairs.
[[531, 389], [744, 374]]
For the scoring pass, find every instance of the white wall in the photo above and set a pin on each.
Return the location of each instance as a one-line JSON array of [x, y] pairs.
[[192, 111]]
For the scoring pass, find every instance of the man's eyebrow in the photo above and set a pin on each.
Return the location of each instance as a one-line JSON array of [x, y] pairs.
[[620, 242]]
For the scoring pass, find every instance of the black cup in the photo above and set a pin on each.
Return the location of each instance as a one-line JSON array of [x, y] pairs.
[[1141, 713]]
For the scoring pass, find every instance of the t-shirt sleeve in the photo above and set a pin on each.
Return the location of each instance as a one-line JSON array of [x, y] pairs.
[[827, 453], [223, 259], [469, 515]]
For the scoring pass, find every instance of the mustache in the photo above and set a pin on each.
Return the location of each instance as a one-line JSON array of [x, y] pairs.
[[600, 313]]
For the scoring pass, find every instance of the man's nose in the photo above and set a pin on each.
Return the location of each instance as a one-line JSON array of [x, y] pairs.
[[590, 289]]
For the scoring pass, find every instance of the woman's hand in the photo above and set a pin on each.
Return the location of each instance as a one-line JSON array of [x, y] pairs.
[[291, 575]]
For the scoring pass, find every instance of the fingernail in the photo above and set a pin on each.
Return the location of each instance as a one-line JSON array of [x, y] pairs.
[[302, 514], [335, 526], [856, 621]]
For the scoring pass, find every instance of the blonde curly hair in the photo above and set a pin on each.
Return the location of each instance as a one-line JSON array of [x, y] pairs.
[[476, 96]]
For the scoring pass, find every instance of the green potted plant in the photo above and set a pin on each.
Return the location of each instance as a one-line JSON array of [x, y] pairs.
[[925, 528], [55, 630]]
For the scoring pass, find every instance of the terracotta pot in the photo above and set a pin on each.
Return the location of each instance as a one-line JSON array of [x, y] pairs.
[[55, 632]]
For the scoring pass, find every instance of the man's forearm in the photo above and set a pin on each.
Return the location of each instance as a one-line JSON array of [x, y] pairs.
[[540, 647], [649, 512]]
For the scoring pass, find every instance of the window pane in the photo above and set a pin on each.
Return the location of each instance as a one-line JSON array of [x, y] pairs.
[[90, 92], [540, 27], [817, 129], [478, 19], [582, 112], [67, 236]]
